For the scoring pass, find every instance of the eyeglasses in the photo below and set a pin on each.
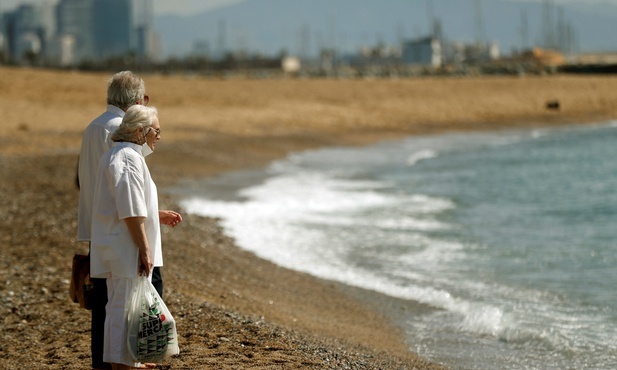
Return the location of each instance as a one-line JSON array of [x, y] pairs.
[[157, 131]]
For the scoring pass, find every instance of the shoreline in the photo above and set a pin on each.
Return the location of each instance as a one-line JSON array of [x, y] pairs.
[[251, 313], [393, 310]]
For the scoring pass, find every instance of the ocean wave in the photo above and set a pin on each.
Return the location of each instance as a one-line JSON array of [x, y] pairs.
[[414, 158]]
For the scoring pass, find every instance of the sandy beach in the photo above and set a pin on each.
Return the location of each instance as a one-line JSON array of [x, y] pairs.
[[234, 310]]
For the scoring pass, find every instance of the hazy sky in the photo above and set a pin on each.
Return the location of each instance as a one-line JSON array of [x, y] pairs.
[[195, 6], [188, 6]]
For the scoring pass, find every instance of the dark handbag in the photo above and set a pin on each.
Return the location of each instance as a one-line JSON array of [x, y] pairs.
[[81, 286]]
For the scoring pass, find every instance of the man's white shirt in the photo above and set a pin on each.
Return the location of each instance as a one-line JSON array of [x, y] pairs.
[[95, 142]]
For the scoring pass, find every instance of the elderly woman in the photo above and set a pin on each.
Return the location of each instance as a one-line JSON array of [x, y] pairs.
[[126, 236]]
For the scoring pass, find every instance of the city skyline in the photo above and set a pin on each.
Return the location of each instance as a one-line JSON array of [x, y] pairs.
[[305, 28], [74, 31]]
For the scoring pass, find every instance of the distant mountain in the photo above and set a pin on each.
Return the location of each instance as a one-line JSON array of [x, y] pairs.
[[305, 26]]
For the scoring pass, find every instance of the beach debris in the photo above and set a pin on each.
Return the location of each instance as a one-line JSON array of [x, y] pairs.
[[552, 105]]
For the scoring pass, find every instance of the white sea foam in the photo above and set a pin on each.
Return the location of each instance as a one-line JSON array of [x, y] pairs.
[[420, 203], [536, 134], [421, 155], [410, 223]]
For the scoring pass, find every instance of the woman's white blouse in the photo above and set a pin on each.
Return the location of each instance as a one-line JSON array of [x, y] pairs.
[[124, 188]]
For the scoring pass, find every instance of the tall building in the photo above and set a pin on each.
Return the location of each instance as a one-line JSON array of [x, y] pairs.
[[113, 29], [425, 51], [79, 30], [123, 27], [28, 31], [143, 20], [74, 19]]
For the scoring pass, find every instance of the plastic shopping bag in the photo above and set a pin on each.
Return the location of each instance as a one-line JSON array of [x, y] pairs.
[[152, 335]]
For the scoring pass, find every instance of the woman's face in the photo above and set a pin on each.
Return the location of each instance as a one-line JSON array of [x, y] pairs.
[[154, 133]]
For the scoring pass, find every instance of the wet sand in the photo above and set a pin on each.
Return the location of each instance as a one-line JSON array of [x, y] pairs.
[[234, 310]]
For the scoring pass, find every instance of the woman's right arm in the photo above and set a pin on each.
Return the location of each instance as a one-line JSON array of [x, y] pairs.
[[136, 226]]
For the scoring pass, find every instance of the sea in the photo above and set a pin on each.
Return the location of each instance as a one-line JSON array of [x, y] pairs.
[[509, 236]]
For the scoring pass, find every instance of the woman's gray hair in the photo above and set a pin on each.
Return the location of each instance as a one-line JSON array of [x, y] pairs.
[[124, 89], [135, 117]]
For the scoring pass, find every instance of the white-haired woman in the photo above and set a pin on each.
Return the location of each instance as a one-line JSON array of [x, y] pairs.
[[126, 236]]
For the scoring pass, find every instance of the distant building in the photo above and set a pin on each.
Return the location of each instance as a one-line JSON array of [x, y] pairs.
[[143, 23], [425, 51], [474, 53], [379, 55], [112, 27], [595, 58], [77, 30], [74, 18], [544, 57], [123, 27], [291, 64], [62, 51], [28, 31]]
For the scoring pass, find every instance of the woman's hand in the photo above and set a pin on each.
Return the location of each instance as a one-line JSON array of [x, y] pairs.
[[145, 262], [169, 218]]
